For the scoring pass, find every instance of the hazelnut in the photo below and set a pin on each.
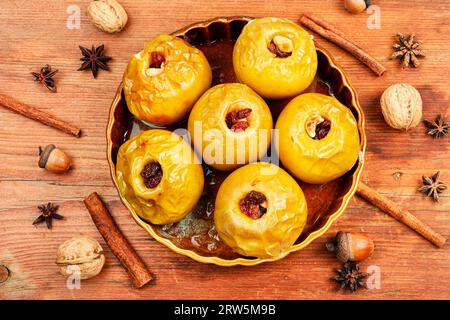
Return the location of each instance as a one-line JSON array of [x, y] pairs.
[[283, 43], [351, 246], [53, 159], [281, 46], [401, 105], [81, 251], [356, 6]]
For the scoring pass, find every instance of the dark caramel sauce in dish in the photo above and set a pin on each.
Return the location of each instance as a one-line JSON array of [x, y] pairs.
[[197, 231]]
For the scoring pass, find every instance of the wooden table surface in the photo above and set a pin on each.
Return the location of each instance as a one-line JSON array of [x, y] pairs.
[[34, 33]]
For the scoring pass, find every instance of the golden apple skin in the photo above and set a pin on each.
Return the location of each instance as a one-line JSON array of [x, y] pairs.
[[317, 161], [270, 76], [167, 95], [276, 231], [209, 131], [182, 181]]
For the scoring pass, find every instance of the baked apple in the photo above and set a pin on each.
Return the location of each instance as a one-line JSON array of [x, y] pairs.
[[260, 211], [159, 175], [319, 138], [162, 82], [230, 125], [275, 57]]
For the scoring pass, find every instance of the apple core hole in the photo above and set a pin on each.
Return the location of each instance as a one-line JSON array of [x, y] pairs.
[[237, 120], [152, 174], [253, 205]]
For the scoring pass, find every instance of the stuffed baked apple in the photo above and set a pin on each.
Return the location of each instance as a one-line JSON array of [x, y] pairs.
[[230, 125], [260, 211], [275, 57], [162, 82], [159, 175], [319, 138]]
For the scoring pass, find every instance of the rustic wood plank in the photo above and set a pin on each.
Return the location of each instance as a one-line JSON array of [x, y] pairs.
[[410, 266]]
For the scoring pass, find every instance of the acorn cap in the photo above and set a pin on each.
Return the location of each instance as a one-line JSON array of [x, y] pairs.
[[44, 154], [341, 246]]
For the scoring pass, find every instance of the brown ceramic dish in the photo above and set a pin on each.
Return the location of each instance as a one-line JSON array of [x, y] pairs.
[[195, 236]]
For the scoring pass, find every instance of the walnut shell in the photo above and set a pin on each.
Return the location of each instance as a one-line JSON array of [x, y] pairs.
[[81, 251], [401, 105], [108, 15]]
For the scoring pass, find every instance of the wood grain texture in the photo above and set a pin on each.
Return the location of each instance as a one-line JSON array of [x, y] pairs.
[[410, 266]]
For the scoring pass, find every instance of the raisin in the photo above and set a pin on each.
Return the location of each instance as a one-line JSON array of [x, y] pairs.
[[156, 59], [239, 126], [231, 119], [236, 120], [251, 206], [152, 174], [244, 113], [322, 129]]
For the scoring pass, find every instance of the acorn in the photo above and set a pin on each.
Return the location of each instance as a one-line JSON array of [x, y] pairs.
[[5, 274], [351, 246], [356, 6], [53, 159]]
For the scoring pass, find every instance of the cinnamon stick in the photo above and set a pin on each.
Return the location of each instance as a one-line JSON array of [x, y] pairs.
[[402, 215], [328, 26], [38, 115], [119, 245], [331, 33]]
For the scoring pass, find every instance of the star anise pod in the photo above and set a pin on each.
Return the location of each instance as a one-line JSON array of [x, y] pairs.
[[437, 128], [94, 59], [432, 187], [45, 76], [349, 277], [48, 212], [407, 50]]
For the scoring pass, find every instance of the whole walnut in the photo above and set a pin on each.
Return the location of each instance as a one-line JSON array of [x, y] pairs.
[[108, 15], [401, 105], [81, 251]]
